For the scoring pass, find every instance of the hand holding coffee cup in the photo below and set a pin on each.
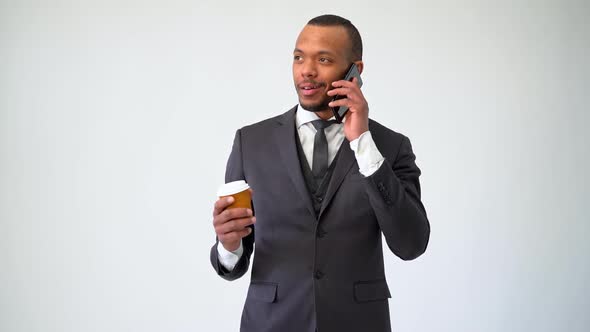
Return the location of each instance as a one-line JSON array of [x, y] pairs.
[[232, 214]]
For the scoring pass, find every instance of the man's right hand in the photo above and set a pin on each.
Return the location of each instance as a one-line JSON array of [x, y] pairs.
[[231, 225]]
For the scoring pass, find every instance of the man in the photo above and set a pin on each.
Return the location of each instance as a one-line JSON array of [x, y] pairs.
[[323, 194]]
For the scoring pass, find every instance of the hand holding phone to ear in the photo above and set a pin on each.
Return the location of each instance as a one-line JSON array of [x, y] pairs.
[[357, 117]]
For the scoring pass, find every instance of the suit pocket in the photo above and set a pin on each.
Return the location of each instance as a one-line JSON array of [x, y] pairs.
[[373, 290], [263, 291]]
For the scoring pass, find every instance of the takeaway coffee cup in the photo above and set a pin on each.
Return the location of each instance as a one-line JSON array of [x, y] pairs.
[[239, 190]]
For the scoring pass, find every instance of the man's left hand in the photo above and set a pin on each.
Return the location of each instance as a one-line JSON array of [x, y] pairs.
[[357, 117]]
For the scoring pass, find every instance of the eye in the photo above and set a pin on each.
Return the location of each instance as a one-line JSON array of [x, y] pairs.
[[297, 58], [325, 60]]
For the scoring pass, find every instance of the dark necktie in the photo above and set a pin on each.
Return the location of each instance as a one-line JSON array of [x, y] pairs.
[[320, 148]]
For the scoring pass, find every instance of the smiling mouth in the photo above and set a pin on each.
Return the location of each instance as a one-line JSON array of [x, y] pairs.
[[309, 89]]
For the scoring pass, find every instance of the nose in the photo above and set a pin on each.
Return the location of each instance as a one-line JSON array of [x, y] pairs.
[[308, 69]]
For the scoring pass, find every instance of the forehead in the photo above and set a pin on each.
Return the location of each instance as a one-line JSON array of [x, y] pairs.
[[320, 38]]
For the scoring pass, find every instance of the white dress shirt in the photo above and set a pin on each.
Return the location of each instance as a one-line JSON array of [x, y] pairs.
[[366, 153]]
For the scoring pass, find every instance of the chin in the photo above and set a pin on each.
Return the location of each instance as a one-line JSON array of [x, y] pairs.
[[315, 107], [310, 108]]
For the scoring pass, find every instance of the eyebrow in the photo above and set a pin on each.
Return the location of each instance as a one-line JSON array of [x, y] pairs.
[[319, 52]]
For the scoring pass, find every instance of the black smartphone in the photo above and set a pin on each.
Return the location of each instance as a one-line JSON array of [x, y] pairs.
[[340, 112]]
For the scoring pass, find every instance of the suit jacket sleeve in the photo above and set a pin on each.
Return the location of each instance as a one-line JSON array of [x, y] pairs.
[[394, 194], [233, 172]]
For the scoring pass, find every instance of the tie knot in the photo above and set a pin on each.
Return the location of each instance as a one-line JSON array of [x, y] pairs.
[[322, 124]]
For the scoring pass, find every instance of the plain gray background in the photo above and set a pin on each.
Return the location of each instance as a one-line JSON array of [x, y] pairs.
[[117, 118]]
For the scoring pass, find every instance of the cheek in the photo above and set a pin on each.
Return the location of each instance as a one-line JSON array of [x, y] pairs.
[[338, 74], [331, 76], [296, 73]]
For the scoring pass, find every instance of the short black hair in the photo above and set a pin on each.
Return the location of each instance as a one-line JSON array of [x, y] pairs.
[[353, 33]]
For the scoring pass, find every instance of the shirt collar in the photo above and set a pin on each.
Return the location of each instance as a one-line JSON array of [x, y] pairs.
[[303, 116]]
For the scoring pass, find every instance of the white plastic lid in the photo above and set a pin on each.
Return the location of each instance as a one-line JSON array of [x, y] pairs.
[[232, 188]]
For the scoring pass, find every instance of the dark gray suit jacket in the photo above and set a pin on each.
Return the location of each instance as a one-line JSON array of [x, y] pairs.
[[323, 272]]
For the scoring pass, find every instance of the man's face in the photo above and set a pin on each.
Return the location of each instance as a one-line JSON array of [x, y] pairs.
[[321, 56]]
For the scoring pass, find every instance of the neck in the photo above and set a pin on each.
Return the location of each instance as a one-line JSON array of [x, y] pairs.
[[325, 115]]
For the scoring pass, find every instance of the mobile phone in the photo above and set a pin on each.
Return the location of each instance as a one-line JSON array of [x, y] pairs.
[[340, 112]]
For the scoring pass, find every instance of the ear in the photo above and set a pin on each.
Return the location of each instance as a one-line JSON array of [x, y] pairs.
[[360, 66]]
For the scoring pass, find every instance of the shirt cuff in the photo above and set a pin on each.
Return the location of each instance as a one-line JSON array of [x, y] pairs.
[[367, 155], [229, 259]]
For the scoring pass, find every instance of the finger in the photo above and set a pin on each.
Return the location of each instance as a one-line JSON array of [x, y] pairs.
[[221, 204], [343, 83], [229, 214], [234, 236], [245, 232], [234, 225], [340, 102], [339, 91]]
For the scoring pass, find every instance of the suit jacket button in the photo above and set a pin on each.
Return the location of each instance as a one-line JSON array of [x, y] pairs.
[[318, 274], [319, 198], [321, 233]]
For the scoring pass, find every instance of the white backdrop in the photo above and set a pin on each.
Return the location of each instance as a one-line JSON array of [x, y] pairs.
[[117, 118]]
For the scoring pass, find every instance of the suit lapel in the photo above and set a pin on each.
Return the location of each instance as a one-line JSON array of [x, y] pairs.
[[343, 164], [285, 139]]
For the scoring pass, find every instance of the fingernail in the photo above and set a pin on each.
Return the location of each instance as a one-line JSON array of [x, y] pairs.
[[249, 212], [230, 199], [253, 219], [249, 230]]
